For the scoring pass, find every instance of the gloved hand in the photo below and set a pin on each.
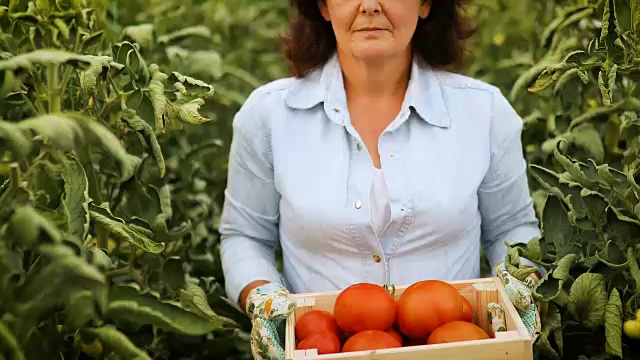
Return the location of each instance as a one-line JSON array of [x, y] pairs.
[[521, 295], [268, 307]]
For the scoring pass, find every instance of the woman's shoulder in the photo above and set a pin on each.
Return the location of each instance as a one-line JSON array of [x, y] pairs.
[[462, 81], [459, 89], [270, 91], [264, 104]]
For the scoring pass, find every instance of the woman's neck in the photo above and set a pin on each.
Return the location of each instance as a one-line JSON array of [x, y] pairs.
[[375, 80]]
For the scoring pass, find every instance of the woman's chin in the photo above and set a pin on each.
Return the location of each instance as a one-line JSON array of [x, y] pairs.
[[375, 53]]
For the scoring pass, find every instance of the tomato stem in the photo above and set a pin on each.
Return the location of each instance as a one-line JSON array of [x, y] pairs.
[[393, 289]]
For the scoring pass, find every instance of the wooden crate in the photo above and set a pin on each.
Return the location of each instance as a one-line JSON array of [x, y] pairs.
[[513, 344]]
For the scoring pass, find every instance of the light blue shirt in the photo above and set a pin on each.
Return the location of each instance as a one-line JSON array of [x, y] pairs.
[[299, 174]]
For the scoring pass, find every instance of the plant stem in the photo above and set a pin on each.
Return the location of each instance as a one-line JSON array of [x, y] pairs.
[[28, 102], [54, 91], [134, 274], [15, 176], [102, 237]]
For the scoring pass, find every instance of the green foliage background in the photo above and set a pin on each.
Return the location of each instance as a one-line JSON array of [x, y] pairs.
[[115, 125]]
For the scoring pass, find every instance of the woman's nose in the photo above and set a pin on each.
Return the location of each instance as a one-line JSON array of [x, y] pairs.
[[370, 7]]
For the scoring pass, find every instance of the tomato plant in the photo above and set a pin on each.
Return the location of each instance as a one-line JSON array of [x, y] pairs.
[[108, 209]]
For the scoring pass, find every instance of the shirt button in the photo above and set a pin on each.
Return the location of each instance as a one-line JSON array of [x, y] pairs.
[[358, 146], [402, 209], [376, 258], [358, 204], [336, 110], [392, 154]]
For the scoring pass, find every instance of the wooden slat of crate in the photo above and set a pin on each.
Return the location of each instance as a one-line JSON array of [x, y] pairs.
[[514, 344]]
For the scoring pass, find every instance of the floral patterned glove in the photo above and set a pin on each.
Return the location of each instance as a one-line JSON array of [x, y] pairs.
[[521, 295], [268, 307]]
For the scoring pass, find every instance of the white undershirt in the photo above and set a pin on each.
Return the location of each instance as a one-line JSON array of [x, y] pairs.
[[380, 212]]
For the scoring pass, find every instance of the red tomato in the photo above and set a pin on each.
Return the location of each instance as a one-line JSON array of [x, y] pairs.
[[425, 305], [314, 321], [325, 341], [456, 331], [396, 335], [467, 310], [370, 340], [365, 306]]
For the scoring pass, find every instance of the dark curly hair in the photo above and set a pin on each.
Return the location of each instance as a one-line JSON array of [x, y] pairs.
[[438, 39]]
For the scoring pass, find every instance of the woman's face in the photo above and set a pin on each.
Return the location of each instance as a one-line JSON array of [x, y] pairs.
[[372, 29]]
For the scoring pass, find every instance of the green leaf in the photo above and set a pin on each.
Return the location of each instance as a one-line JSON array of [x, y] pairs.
[[80, 309], [102, 215], [45, 287], [64, 29], [606, 17], [89, 76], [76, 196], [583, 76], [173, 274], [26, 226], [188, 86], [564, 266], [545, 80], [588, 299], [549, 324], [612, 256], [187, 112], [158, 99], [556, 227], [44, 57], [635, 16], [128, 163], [59, 130], [564, 80], [93, 39], [99, 258], [14, 139], [633, 268], [604, 91], [127, 305], [588, 138], [141, 34], [596, 113], [127, 53], [136, 123], [191, 31], [533, 249], [194, 299], [613, 324], [117, 342], [9, 345]]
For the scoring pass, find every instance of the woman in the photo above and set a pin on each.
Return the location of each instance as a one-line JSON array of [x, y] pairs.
[[371, 164]]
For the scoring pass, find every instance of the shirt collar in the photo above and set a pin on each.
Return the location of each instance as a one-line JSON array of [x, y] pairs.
[[325, 85]]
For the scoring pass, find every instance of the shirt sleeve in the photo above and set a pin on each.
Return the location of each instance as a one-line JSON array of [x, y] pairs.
[[505, 203], [249, 231]]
